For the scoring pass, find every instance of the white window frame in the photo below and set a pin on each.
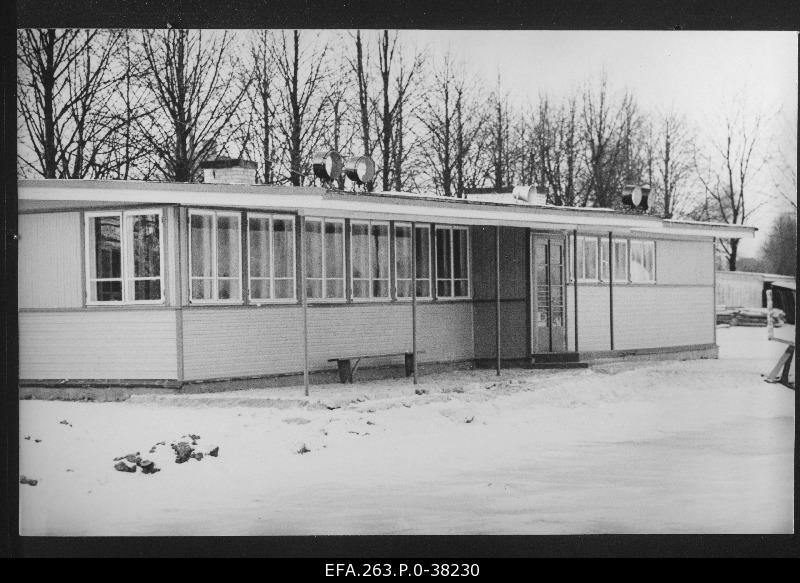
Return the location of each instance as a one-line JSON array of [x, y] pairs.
[[582, 250], [452, 279], [427, 227], [616, 278], [272, 300], [325, 299], [371, 279], [601, 243], [645, 243], [126, 267], [215, 278]]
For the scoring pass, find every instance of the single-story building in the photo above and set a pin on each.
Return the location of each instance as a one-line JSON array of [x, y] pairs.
[[745, 289], [125, 283]]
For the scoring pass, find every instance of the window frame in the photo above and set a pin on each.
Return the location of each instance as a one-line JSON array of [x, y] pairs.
[[324, 299], [645, 243], [125, 243], [582, 250], [614, 242], [215, 278], [272, 300], [430, 278], [371, 279], [452, 279]]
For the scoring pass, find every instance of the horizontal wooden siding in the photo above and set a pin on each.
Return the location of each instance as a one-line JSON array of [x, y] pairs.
[[130, 344], [50, 274], [223, 343]]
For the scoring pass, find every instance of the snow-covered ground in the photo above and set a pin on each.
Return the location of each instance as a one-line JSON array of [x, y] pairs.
[[699, 446]]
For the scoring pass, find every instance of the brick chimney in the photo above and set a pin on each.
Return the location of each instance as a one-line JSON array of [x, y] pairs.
[[229, 171]]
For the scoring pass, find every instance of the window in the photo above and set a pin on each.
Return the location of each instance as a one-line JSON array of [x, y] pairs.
[[215, 252], [620, 260], [643, 261], [604, 259], [324, 258], [402, 255], [587, 258], [369, 259], [271, 257], [124, 262], [452, 264]]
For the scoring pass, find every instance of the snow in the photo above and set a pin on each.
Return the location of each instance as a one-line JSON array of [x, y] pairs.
[[700, 446]]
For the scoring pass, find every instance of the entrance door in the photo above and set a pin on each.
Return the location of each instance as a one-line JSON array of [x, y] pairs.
[[548, 315]]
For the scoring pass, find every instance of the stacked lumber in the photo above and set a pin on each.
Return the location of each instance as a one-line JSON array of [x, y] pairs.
[[725, 316], [749, 316]]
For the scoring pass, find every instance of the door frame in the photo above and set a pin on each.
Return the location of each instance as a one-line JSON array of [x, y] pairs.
[[532, 335]]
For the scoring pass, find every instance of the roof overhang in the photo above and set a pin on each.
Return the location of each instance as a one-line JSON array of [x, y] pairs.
[[312, 201]]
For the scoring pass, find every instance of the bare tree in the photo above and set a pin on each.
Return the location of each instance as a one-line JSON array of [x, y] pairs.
[[558, 143], [609, 125], [726, 172], [192, 78], [259, 128], [392, 99], [302, 73], [673, 161], [437, 118], [65, 79], [360, 67], [779, 253]]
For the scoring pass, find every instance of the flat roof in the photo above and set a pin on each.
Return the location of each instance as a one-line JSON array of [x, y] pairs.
[[40, 195]]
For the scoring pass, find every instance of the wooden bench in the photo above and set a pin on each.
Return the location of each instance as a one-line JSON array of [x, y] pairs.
[[347, 365]]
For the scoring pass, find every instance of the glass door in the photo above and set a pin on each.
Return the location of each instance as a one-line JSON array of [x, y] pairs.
[[548, 315]]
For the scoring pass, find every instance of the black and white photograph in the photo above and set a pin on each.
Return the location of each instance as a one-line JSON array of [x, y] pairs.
[[309, 281]]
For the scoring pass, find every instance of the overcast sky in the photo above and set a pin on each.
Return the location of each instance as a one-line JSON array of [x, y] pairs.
[[697, 73]]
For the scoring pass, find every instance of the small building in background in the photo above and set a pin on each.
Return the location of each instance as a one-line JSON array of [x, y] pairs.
[[744, 289]]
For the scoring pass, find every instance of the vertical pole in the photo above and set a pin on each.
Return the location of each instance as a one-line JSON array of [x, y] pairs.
[[770, 329], [497, 293], [575, 280], [414, 299], [611, 286], [714, 290], [304, 296]]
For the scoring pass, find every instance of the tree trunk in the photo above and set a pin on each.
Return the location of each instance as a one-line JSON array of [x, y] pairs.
[[733, 253]]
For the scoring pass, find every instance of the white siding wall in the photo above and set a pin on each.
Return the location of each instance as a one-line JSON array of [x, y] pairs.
[[50, 260], [130, 344], [221, 343], [678, 310], [656, 316], [593, 317], [684, 262]]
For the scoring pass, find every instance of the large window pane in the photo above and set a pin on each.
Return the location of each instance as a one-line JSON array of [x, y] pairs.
[[313, 251], [108, 256], [459, 254], [359, 250], [146, 246], [590, 258], [379, 251], [643, 261], [402, 254], [620, 261], [423, 248], [604, 259], [202, 245], [443, 251], [334, 250], [259, 248], [283, 237], [228, 244]]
